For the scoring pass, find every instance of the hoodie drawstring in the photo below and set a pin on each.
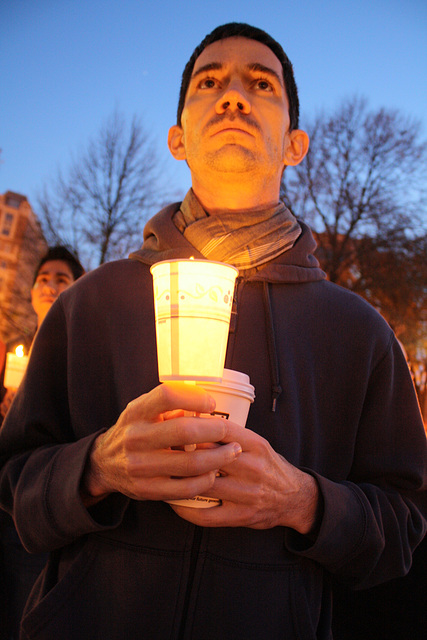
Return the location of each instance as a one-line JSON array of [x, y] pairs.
[[276, 389]]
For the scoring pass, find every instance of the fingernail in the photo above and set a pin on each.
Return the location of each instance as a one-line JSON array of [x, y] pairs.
[[237, 449]]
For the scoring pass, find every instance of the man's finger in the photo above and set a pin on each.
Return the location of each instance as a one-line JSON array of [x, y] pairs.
[[167, 397]]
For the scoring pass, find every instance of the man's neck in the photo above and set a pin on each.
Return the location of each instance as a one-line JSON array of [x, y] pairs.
[[234, 196]]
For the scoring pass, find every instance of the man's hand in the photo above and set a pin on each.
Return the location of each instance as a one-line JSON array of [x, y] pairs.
[[142, 456], [260, 490]]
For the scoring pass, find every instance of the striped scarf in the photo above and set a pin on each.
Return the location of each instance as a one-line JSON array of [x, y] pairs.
[[244, 239]]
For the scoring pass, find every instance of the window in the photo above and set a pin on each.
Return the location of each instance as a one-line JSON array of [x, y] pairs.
[[6, 224], [13, 202]]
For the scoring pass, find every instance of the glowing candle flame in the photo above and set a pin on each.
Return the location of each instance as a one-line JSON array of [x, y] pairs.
[[20, 351]]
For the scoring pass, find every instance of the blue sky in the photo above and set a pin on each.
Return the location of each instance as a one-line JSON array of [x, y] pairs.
[[65, 65]]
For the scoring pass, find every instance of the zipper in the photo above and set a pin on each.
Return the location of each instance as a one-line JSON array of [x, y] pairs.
[[195, 548], [198, 531]]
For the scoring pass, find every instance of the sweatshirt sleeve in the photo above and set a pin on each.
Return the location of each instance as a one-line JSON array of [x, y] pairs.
[[372, 522], [42, 459]]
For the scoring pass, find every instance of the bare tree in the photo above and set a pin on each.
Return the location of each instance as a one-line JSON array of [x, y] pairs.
[[364, 176], [100, 206]]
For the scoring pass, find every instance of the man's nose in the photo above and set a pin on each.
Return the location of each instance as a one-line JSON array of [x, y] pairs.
[[234, 98]]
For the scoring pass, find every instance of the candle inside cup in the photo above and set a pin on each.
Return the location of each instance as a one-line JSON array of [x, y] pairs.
[[16, 364], [192, 302]]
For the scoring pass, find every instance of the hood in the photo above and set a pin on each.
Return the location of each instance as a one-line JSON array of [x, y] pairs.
[[163, 241]]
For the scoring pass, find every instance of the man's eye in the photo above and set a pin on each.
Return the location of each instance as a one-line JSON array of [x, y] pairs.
[[208, 83], [264, 85]]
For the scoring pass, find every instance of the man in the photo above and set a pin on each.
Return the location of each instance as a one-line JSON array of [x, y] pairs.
[[56, 271], [327, 476]]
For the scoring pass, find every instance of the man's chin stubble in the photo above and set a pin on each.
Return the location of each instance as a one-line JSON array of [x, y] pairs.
[[238, 160]]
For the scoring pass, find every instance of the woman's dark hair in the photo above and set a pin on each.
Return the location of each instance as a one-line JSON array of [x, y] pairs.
[[61, 253], [234, 29]]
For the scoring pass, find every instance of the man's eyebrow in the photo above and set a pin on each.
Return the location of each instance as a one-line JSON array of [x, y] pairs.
[[257, 66], [211, 66]]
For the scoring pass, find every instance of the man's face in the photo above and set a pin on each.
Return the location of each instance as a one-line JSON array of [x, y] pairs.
[[236, 113], [54, 276]]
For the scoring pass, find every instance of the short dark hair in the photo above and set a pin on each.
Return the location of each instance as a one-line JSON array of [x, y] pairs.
[[61, 253], [243, 30]]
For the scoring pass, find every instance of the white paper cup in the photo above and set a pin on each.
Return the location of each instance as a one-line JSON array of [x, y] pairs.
[[192, 304], [233, 397]]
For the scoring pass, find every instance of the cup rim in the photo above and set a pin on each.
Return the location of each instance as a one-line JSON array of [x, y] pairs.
[[193, 260]]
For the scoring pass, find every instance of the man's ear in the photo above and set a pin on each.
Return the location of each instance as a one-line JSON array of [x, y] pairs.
[[297, 147], [176, 142]]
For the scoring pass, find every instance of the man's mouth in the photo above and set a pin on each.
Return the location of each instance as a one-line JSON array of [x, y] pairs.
[[231, 129], [234, 124]]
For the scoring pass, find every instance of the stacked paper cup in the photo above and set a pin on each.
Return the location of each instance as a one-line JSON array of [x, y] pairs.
[[233, 397], [192, 303]]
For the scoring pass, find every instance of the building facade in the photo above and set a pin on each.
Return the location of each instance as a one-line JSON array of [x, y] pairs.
[[22, 244]]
